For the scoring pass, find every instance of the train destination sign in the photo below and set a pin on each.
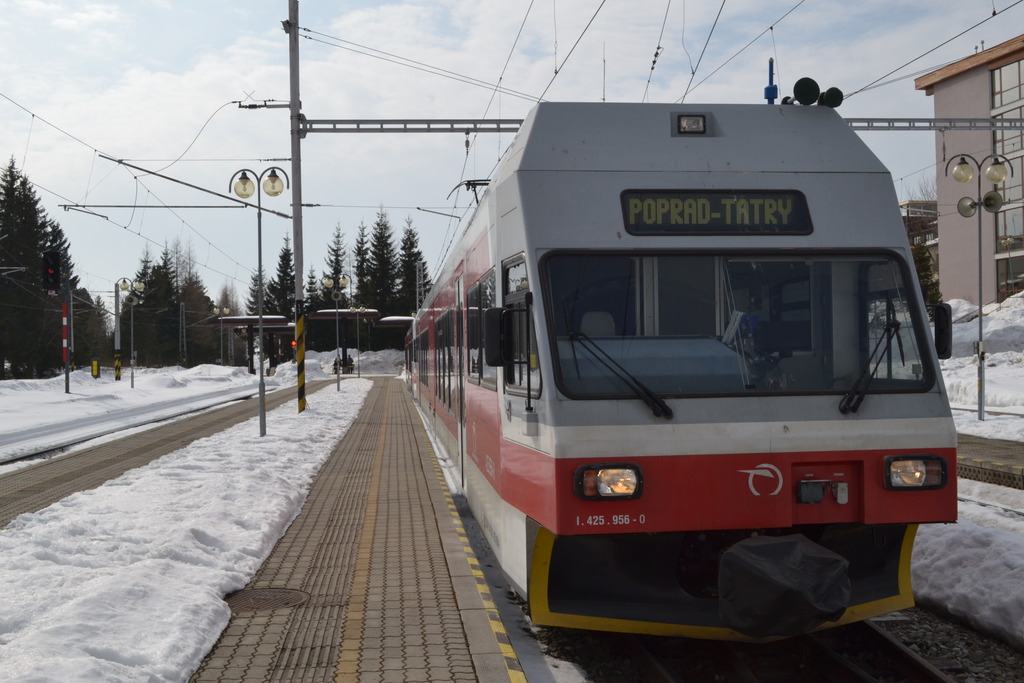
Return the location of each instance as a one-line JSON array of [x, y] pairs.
[[658, 212]]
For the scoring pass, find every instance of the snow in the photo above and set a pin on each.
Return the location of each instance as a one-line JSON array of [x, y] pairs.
[[125, 582]]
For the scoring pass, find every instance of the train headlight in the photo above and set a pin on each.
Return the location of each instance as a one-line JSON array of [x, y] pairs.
[[608, 482], [915, 472]]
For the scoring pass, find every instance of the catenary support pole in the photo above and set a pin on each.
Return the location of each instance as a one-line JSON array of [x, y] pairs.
[[295, 115]]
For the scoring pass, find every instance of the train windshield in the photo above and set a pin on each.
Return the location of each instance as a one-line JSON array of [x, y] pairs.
[[732, 324]]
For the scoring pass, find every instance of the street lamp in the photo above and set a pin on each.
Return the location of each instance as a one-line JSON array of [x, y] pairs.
[[220, 313], [134, 296], [336, 293], [991, 201], [245, 188]]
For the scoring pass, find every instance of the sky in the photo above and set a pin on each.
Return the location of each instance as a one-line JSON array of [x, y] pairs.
[[125, 582], [157, 84]]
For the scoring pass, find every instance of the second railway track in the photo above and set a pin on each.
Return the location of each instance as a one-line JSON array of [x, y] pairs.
[[33, 488]]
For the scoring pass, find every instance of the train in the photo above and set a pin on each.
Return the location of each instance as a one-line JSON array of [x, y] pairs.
[[679, 363]]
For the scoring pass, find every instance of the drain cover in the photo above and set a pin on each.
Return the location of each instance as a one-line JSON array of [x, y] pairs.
[[264, 599]]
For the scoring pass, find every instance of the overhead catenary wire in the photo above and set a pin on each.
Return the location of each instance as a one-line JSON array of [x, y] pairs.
[[573, 49], [448, 239], [497, 89], [942, 44], [700, 58], [125, 227], [657, 51], [770, 28], [333, 41]]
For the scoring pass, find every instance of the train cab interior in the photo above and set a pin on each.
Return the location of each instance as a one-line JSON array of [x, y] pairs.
[[699, 324]]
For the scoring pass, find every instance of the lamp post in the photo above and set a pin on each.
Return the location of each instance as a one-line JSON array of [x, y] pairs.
[[991, 201], [245, 188], [220, 313], [337, 289], [134, 296]]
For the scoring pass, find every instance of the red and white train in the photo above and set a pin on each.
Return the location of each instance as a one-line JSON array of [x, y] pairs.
[[682, 368]]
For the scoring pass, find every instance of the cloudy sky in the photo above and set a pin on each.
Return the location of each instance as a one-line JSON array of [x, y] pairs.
[[157, 83]]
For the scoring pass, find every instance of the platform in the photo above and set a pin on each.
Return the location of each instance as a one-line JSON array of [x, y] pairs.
[[993, 461], [375, 579]]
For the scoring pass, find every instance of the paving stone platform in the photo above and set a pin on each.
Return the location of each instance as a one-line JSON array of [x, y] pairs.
[[374, 580]]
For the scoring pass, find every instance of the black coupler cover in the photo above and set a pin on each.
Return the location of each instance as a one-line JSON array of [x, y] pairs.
[[781, 586]]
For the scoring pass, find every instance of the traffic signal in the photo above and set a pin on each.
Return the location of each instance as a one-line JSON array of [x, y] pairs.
[[51, 271]]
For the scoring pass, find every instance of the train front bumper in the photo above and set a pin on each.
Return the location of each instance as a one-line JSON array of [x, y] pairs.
[[721, 585]]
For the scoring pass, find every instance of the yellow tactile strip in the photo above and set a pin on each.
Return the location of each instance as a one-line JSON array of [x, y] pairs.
[[515, 670]]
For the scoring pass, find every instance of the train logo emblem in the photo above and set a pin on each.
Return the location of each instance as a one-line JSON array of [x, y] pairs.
[[764, 470]]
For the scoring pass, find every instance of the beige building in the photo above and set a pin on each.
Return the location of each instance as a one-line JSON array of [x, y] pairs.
[[985, 85]]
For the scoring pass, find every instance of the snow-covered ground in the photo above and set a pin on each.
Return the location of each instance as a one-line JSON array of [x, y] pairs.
[[125, 582]]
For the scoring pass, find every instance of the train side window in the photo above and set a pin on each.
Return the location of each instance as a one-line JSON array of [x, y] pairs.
[[479, 299], [444, 357], [422, 350], [473, 336]]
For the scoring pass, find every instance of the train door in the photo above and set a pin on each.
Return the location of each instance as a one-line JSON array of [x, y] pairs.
[[522, 372], [460, 379]]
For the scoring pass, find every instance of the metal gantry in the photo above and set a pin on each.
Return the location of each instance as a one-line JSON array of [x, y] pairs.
[[935, 124], [465, 126]]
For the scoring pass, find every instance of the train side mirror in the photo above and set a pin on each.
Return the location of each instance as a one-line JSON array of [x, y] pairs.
[[942, 316], [498, 337]]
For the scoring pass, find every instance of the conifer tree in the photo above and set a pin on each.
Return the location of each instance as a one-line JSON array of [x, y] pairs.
[[412, 272], [337, 255], [281, 288], [923, 265], [316, 298], [361, 254], [91, 329], [30, 336], [252, 297], [381, 285], [157, 328]]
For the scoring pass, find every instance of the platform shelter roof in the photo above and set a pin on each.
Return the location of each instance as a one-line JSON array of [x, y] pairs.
[[330, 313]]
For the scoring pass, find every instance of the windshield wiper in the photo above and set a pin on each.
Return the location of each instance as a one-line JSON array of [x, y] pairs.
[[855, 396], [654, 402]]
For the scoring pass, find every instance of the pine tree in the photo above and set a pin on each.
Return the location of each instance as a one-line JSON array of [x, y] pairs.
[[929, 284], [281, 288], [30, 333], [315, 296], [412, 272], [252, 298], [382, 276], [91, 329], [335, 266], [361, 254], [202, 343], [317, 338], [157, 328]]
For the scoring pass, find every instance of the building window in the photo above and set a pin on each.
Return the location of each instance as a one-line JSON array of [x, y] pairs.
[[1006, 85], [1010, 273], [1006, 99]]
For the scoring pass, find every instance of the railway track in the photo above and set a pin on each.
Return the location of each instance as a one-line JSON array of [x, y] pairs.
[[30, 489], [857, 653]]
